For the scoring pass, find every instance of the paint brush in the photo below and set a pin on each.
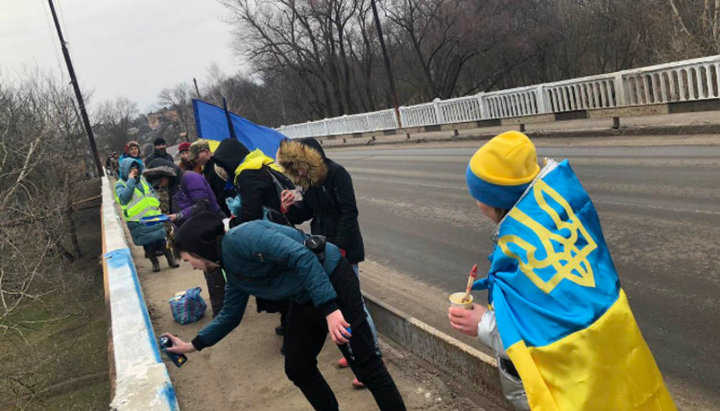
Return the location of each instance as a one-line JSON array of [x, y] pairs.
[[471, 280]]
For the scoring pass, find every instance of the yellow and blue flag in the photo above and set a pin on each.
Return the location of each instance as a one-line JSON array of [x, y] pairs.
[[562, 315], [215, 124]]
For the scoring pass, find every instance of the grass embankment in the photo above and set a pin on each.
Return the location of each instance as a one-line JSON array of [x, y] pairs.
[[57, 357]]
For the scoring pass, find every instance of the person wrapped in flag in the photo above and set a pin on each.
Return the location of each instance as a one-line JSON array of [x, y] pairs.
[[557, 317]]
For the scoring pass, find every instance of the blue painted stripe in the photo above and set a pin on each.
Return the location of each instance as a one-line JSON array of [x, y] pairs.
[[169, 392], [118, 258]]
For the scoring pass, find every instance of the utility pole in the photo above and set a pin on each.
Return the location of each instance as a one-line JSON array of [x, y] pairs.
[[391, 79], [78, 95]]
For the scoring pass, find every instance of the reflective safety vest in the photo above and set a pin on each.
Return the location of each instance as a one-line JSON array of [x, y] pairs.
[[141, 204]]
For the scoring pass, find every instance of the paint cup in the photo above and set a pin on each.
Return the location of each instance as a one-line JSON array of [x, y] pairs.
[[456, 300]]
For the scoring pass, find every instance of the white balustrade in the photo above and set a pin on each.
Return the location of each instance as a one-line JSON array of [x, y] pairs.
[[688, 80]]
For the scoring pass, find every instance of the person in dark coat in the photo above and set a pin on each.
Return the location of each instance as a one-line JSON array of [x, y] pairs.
[[160, 151], [200, 161], [325, 297], [328, 198], [258, 183], [190, 194]]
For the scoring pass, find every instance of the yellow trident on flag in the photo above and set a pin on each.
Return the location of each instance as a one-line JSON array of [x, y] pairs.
[[570, 262]]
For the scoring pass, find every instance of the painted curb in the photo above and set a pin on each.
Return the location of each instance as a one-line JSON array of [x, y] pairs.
[[138, 375], [447, 354]]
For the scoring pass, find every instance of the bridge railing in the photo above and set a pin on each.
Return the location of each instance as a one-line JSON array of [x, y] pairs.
[[139, 378], [688, 80]]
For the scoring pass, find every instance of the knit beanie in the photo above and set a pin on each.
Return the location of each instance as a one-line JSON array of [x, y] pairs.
[[159, 141], [201, 234], [184, 146], [500, 171]]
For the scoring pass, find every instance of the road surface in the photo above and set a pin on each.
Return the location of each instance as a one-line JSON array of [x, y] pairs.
[[659, 204]]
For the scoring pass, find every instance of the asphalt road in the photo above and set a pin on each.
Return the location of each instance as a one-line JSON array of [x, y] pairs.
[[659, 207]]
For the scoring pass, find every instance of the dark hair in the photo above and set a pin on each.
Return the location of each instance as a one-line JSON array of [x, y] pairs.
[[500, 213]]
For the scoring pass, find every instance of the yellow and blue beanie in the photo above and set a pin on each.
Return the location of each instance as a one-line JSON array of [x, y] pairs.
[[500, 171]]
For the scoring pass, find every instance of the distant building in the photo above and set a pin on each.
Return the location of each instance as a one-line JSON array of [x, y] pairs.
[[155, 119]]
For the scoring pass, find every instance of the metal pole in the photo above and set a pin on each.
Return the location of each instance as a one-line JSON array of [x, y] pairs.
[[78, 95], [197, 90], [393, 93]]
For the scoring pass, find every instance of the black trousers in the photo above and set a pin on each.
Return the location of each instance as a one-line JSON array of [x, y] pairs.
[[305, 336], [216, 289]]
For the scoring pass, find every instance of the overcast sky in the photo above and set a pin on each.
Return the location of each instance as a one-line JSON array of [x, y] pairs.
[[130, 48]]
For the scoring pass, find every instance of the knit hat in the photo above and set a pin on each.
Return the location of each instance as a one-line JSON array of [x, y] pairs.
[[196, 147], [201, 235], [130, 144], [184, 146], [500, 171], [159, 141]]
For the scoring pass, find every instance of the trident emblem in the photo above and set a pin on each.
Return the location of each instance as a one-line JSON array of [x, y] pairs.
[[565, 256]]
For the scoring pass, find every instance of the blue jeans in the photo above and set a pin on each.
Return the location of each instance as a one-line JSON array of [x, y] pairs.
[[370, 321]]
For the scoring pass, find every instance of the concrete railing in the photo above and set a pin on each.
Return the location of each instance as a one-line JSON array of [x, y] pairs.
[[688, 80], [139, 378]]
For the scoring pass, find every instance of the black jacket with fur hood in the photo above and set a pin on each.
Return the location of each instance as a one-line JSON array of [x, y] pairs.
[[256, 187], [328, 198]]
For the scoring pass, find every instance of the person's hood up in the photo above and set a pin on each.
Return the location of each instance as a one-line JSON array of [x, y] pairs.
[[314, 144], [161, 167], [229, 154], [125, 165], [296, 155]]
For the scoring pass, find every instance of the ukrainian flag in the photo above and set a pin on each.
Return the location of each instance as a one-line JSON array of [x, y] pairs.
[[563, 318], [212, 124]]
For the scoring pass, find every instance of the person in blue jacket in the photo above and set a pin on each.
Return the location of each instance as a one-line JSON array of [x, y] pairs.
[[137, 200], [271, 261]]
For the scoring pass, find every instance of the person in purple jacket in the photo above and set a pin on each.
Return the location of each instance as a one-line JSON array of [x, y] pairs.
[[190, 193]]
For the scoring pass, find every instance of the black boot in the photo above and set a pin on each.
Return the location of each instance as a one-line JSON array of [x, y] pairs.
[[155, 263], [170, 258]]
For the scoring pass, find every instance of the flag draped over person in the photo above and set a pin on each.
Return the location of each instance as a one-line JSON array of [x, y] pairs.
[[215, 124], [563, 318]]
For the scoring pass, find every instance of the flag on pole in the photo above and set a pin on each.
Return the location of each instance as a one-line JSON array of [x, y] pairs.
[[563, 318], [215, 124]]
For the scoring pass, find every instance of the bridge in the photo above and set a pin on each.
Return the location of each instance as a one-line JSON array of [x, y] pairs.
[[653, 179]]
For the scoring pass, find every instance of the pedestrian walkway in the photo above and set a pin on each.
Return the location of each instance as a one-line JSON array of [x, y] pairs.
[[245, 370]]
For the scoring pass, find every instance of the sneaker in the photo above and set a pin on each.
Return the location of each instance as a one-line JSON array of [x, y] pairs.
[[342, 363], [357, 384]]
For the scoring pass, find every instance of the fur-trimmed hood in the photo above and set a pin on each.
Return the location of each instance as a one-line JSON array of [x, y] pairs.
[[301, 155], [159, 168]]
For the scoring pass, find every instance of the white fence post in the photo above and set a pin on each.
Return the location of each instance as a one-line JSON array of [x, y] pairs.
[[438, 112], [543, 104], [620, 98], [403, 117], [482, 103]]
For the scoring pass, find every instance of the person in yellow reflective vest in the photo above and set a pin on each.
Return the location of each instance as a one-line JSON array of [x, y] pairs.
[[137, 200]]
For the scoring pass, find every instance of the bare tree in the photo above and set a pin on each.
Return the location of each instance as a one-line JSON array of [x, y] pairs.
[[114, 123]]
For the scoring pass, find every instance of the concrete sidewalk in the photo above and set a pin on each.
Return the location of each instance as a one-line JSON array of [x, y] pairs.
[[706, 122], [245, 370]]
